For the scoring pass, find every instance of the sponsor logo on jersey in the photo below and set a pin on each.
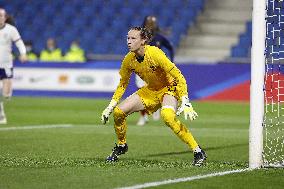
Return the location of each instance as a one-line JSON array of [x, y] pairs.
[[153, 68]]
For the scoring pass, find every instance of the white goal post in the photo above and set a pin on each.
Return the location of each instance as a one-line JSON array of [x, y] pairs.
[[257, 83], [266, 133]]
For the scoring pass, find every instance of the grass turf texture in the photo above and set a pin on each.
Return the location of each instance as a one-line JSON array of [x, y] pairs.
[[74, 157]]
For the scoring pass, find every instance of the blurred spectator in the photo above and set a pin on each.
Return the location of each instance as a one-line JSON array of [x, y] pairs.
[[158, 40], [9, 35], [31, 55], [51, 53], [75, 53]]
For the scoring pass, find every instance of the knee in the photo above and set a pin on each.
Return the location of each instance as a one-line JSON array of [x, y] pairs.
[[6, 94], [119, 115], [6, 91], [168, 115], [5, 97]]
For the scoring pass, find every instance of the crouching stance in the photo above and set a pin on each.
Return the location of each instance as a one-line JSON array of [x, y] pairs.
[[165, 88]]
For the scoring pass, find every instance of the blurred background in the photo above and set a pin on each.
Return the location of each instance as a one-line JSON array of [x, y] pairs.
[[210, 38], [210, 30]]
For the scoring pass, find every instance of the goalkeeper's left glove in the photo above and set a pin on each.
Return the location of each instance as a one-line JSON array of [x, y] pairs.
[[187, 109], [106, 113]]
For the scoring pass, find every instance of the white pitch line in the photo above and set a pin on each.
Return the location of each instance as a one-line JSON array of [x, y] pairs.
[[185, 179], [35, 127]]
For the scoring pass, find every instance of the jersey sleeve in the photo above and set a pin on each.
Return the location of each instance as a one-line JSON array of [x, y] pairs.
[[15, 35], [125, 73], [170, 68]]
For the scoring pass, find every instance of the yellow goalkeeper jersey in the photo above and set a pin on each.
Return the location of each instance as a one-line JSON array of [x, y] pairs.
[[156, 70]]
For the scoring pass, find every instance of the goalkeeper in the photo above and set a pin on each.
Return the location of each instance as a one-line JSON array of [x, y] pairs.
[[165, 87]]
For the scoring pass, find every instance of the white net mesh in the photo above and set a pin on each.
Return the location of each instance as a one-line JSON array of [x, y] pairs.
[[273, 153]]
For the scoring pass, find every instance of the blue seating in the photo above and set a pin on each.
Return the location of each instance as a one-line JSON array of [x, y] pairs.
[[196, 3], [238, 51], [274, 38], [245, 40], [243, 47], [87, 11], [97, 23], [127, 11]]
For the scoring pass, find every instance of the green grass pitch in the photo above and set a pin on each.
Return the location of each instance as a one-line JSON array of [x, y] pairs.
[[74, 156]]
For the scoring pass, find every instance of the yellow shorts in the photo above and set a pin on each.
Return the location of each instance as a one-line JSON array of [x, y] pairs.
[[152, 100]]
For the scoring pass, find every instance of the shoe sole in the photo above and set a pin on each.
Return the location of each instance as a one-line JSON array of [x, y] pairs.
[[108, 159], [111, 161], [199, 163]]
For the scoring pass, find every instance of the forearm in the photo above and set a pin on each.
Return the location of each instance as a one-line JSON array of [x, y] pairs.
[[114, 101], [119, 91], [21, 47], [181, 85]]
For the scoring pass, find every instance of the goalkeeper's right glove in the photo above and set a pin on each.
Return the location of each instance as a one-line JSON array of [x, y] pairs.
[[106, 113], [187, 109]]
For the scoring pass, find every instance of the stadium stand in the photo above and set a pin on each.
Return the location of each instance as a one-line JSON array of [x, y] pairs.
[[198, 28], [275, 35], [100, 26], [216, 31], [242, 48]]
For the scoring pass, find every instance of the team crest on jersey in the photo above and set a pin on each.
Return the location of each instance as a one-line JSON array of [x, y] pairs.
[[153, 68]]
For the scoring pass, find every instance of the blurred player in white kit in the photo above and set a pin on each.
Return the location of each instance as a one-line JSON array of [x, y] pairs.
[[8, 35], [151, 23]]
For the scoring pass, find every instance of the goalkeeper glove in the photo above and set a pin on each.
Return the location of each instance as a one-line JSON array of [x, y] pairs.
[[106, 113], [187, 109]]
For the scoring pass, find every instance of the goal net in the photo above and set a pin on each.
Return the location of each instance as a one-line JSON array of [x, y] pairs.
[[273, 125]]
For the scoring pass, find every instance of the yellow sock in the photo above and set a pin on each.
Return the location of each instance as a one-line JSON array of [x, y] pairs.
[[179, 129], [120, 125]]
